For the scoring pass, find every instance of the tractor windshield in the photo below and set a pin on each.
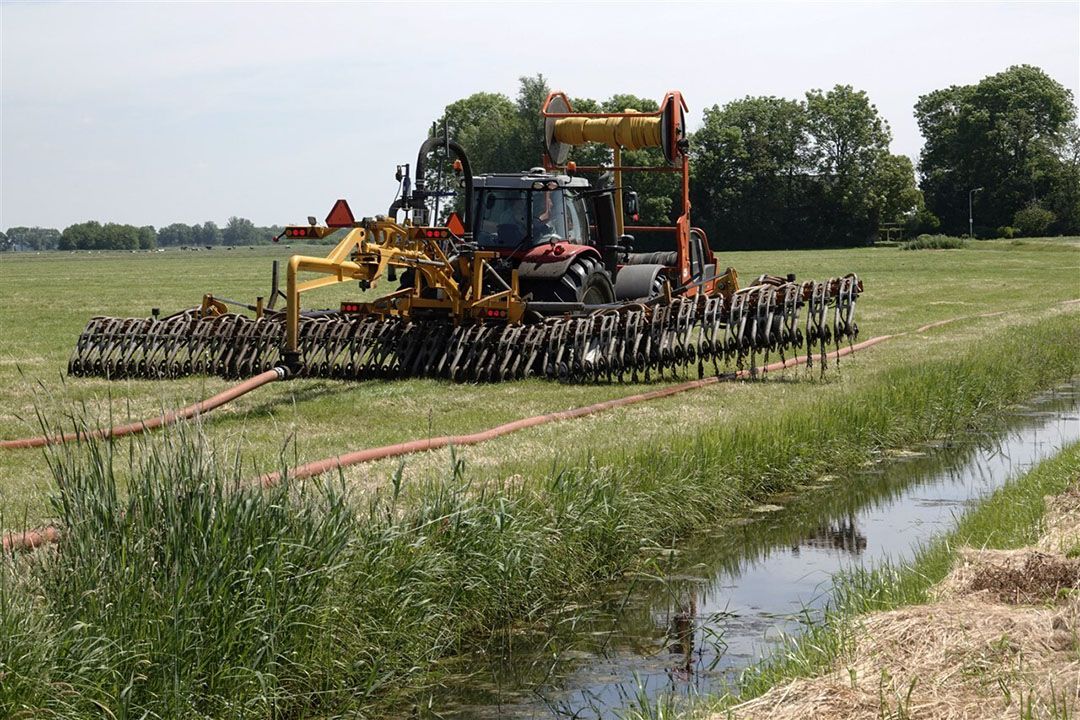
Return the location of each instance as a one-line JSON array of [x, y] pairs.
[[509, 218]]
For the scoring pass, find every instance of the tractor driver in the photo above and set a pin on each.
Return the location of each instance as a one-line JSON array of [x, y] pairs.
[[547, 212]]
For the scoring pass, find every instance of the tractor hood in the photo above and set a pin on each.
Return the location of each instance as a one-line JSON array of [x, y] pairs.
[[549, 260]]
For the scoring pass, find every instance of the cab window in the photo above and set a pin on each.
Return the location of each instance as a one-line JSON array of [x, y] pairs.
[[577, 220], [510, 218], [500, 217]]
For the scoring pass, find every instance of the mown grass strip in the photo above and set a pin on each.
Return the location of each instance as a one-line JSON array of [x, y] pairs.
[[194, 595]]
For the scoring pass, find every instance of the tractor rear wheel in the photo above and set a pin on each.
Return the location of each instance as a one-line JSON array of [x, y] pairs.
[[585, 281]]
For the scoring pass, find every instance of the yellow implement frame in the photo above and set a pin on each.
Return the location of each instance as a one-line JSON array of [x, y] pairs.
[[442, 286]]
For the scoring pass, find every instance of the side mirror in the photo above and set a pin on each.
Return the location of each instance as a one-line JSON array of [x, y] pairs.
[[630, 204]]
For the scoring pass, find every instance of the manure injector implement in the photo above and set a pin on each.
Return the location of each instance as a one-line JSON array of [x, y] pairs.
[[537, 276]]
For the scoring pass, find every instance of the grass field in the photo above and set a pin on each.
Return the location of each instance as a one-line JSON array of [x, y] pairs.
[[47, 299], [355, 597]]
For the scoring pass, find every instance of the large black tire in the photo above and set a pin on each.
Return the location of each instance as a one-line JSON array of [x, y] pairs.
[[585, 281]]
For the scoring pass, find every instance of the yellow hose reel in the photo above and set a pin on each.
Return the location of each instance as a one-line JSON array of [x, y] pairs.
[[629, 130]]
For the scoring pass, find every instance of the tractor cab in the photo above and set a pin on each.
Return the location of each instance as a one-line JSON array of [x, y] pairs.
[[520, 211]]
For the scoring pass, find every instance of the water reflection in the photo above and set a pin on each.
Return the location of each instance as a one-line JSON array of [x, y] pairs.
[[717, 605], [842, 535]]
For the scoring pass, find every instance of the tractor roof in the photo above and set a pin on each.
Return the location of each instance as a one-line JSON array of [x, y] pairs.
[[527, 180]]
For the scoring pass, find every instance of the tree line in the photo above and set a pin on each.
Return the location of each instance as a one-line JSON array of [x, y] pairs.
[[93, 235], [770, 172]]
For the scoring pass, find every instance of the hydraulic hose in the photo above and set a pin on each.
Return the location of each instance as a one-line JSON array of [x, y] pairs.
[[168, 418], [421, 176], [30, 539]]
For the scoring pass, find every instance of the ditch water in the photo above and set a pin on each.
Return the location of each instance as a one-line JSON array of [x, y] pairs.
[[721, 601]]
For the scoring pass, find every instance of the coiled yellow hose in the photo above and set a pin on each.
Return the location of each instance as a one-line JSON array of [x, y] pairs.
[[631, 132]]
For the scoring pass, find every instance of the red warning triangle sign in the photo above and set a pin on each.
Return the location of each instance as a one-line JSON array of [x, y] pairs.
[[454, 224], [340, 215]]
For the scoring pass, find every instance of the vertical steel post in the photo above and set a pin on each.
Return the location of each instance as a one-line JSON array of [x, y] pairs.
[[616, 155], [971, 217]]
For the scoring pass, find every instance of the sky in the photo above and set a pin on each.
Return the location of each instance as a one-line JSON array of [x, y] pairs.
[[154, 113]]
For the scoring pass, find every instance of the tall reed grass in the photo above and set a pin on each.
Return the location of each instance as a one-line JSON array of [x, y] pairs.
[[193, 594], [934, 242]]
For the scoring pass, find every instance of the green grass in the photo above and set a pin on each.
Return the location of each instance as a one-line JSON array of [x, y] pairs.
[[47, 299], [180, 591], [356, 592], [1010, 518]]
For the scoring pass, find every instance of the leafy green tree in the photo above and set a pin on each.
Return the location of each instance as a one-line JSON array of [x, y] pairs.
[[1063, 198], [849, 148], [499, 134], [1034, 220], [176, 235], [1007, 134], [206, 234], [32, 238], [147, 237], [486, 125], [504, 135], [83, 236], [115, 236], [532, 91], [897, 198], [750, 163], [239, 231], [772, 172]]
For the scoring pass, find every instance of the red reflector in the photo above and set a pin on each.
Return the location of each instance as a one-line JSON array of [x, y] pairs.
[[340, 215]]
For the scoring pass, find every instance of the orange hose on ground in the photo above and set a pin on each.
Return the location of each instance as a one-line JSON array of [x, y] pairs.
[[203, 406], [30, 539], [407, 448]]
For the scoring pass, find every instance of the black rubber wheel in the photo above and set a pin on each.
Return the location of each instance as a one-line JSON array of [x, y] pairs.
[[585, 281], [658, 286]]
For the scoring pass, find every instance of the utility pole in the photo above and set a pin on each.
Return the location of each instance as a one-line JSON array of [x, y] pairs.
[[971, 218]]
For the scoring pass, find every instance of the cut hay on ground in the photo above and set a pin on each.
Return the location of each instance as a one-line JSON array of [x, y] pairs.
[[1001, 641]]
